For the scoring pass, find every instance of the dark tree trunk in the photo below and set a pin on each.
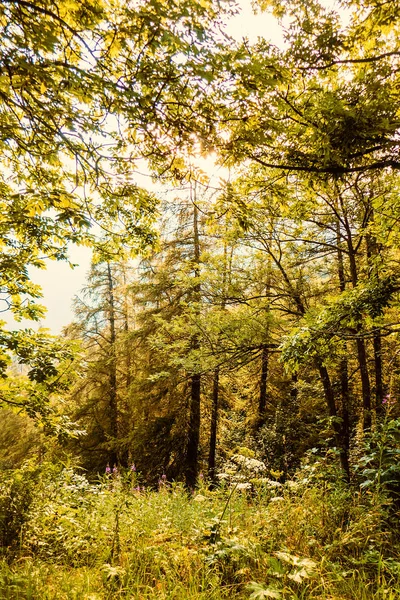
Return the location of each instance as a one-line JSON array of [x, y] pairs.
[[128, 364], [215, 394], [337, 425], [372, 254], [265, 351], [214, 427], [343, 368], [125, 425], [365, 383], [345, 397], [262, 402], [192, 447], [328, 390], [112, 378], [361, 349], [379, 389]]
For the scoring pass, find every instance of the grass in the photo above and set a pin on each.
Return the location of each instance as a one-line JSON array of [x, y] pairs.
[[74, 540]]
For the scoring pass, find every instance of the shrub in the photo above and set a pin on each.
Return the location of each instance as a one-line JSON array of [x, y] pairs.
[[17, 490]]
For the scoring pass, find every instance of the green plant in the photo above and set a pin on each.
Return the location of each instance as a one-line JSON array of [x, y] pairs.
[[17, 491], [379, 467]]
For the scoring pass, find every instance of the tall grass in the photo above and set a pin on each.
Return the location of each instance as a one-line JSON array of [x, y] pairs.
[[77, 540]]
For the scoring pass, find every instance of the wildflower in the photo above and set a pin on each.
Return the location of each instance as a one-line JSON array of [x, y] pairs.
[[108, 470], [389, 400], [133, 467], [115, 470]]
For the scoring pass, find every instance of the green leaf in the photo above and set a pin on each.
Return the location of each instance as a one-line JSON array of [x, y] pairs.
[[260, 592]]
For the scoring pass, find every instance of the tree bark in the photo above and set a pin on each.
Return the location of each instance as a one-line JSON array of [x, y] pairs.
[[213, 428], [372, 253], [360, 344], [379, 388], [128, 363], [192, 447], [262, 402], [112, 378], [337, 426], [343, 367], [365, 383], [215, 394]]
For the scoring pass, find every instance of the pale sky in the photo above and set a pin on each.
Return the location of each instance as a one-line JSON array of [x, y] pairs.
[[59, 282], [250, 25]]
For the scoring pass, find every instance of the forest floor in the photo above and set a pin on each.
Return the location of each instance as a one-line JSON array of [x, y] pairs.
[[66, 538]]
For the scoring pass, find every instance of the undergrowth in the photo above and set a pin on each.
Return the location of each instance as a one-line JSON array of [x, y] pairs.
[[315, 538]]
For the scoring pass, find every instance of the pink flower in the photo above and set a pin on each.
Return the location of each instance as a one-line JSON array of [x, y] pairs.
[[389, 400]]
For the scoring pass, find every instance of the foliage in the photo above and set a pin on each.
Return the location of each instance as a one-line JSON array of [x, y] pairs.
[[323, 328], [86, 89], [378, 468], [17, 494], [113, 537], [257, 332]]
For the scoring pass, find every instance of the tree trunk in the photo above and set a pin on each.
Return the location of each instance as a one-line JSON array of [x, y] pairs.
[[215, 394], [337, 425], [265, 353], [379, 389], [128, 362], [214, 427], [343, 367], [345, 397], [125, 425], [112, 378], [262, 402], [192, 448], [361, 349], [365, 383], [372, 253]]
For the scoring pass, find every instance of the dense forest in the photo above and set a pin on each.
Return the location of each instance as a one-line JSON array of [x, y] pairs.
[[221, 418]]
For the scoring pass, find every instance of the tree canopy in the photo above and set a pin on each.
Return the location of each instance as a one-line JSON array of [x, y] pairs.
[[266, 298], [87, 88]]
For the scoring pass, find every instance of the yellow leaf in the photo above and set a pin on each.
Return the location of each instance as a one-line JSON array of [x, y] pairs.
[[35, 209]]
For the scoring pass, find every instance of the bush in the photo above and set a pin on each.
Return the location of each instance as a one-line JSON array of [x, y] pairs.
[[378, 470], [17, 491]]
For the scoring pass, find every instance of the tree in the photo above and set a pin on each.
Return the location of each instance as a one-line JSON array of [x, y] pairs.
[[85, 89], [99, 398], [317, 126], [302, 266], [273, 227], [327, 103]]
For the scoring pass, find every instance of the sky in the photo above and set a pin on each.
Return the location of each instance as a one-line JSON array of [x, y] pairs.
[[59, 282], [250, 25]]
